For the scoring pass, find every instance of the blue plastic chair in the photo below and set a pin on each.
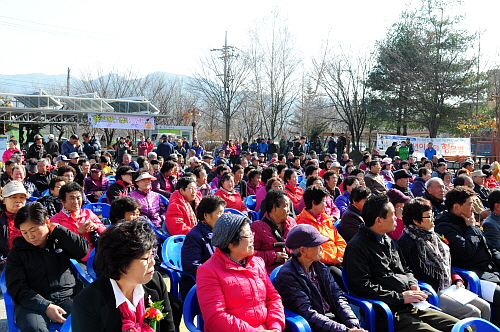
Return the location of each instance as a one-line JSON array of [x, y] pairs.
[[83, 276], [46, 192], [473, 283], [31, 199], [100, 209], [213, 191], [164, 200], [66, 327], [9, 309], [480, 324], [172, 263], [233, 211], [160, 234], [90, 265], [103, 199], [250, 202]]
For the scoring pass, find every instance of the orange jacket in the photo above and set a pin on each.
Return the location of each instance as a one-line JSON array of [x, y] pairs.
[[333, 249]]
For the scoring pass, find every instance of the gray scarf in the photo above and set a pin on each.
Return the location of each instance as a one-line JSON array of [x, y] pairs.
[[434, 255]]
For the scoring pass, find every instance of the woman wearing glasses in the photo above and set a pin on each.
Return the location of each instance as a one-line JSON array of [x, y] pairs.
[[180, 214], [428, 256], [234, 291], [117, 301]]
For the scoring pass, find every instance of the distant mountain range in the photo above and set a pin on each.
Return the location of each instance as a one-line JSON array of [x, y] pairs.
[[28, 82]]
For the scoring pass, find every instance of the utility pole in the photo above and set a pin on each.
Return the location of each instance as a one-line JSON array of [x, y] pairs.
[[227, 53], [67, 82]]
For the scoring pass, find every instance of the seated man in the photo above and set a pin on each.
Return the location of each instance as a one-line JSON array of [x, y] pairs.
[[401, 180], [481, 191], [307, 288], [491, 225], [435, 191], [374, 181], [467, 243], [374, 269], [352, 219]]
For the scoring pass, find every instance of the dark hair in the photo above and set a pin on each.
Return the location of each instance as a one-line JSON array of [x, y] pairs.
[[294, 159], [68, 188], [375, 206], [269, 183], [427, 162], [226, 176], [423, 171], [104, 159], [10, 162], [458, 195], [314, 194], [82, 160], [167, 166], [122, 205], [236, 168], [444, 174], [253, 173], [122, 170], [404, 162], [208, 205], [310, 169], [280, 168], [120, 244], [373, 163], [462, 171], [440, 164], [460, 180], [73, 136], [197, 170], [359, 193], [414, 210], [140, 161], [235, 241], [222, 168], [54, 180], [329, 174], [34, 212], [357, 171], [288, 174], [349, 181], [267, 174], [183, 182], [274, 198], [310, 180], [493, 198], [65, 169]]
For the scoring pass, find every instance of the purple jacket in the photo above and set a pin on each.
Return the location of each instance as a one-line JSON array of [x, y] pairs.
[[92, 186], [418, 187], [215, 182], [342, 202], [152, 207]]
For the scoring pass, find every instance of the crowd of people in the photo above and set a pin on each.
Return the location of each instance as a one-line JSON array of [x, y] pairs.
[[372, 229]]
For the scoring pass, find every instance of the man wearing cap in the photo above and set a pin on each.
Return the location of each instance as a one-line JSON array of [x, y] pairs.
[[401, 182], [374, 269], [180, 149], [41, 179], [36, 150], [308, 289], [482, 192], [373, 180], [198, 149], [51, 146], [165, 149], [73, 159], [71, 145]]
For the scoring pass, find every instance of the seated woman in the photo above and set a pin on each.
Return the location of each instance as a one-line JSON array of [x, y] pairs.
[[268, 173], [118, 299], [201, 181], [19, 174], [52, 202], [151, 206], [293, 191], [96, 184], [430, 260], [343, 201], [447, 178], [253, 183], [38, 272], [105, 163], [314, 215], [271, 231], [233, 288], [398, 199], [352, 218], [386, 171], [226, 191], [165, 182], [197, 247], [330, 208], [239, 185], [308, 289], [124, 208], [180, 214], [13, 198], [73, 217], [418, 187], [122, 185]]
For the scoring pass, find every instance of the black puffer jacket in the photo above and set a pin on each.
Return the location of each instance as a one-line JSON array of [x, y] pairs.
[[36, 277], [301, 296], [468, 247]]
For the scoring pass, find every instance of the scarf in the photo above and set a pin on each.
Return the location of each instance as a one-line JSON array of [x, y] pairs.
[[13, 232], [434, 255], [134, 321]]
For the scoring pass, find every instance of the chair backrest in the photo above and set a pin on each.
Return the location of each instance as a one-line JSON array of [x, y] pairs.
[[473, 283], [233, 211], [83, 276], [480, 324], [192, 313], [46, 192], [164, 200], [273, 274], [67, 325], [214, 190], [100, 209], [171, 251], [103, 199], [90, 264], [250, 202]]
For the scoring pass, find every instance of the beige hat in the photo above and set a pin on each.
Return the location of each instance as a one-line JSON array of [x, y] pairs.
[[144, 176], [478, 173], [12, 188]]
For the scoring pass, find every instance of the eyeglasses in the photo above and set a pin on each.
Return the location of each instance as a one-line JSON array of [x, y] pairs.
[[152, 256], [429, 217], [248, 236]]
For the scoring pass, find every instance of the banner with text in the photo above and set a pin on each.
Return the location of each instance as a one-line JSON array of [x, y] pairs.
[[121, 121], [444, 146]]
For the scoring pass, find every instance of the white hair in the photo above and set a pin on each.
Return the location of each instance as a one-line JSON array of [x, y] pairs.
[[431, 181]]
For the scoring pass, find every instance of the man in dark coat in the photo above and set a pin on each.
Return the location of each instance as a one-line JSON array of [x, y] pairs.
[[307, 287], [51, 146], [165, 149], [36, 150]]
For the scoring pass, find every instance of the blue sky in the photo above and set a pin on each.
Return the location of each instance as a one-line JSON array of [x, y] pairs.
[[151, 35]]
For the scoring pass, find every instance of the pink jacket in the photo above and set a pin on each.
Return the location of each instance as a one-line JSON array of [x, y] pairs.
[[180, 217], [264, 240], [233, 200], [72, 224], [259, 197], [234, 298], [8, 153], [330, 208]]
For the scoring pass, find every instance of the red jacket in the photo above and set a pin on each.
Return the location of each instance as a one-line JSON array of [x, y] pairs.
[[233, 200], [180, 217], [234, 298], [295, 194], [72, 224], [264, 239]]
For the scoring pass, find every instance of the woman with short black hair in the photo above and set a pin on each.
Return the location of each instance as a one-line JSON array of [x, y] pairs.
[[124, 208], [126, 259], [180, 216], [51, 202], [123, 184]]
